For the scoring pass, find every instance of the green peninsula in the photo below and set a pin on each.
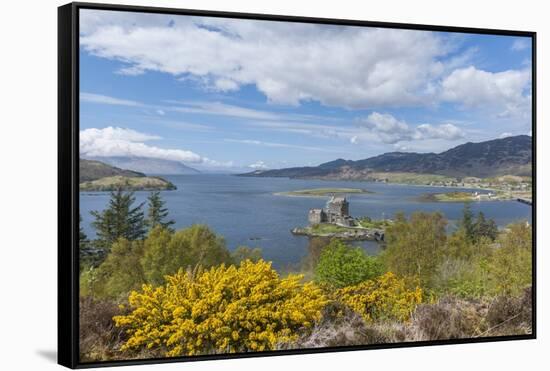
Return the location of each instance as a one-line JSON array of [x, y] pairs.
[[111, 183]]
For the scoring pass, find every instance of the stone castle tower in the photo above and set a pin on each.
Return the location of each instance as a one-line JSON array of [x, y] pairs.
[[335, 212]]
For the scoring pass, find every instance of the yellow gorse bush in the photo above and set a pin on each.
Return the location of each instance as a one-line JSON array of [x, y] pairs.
[[223, 309], [383, 298]]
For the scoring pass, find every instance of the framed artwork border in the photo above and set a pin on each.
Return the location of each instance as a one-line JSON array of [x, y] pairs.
[[68, 174]]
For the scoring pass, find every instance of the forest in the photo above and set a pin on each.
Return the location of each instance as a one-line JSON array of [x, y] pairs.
[[148, 290]]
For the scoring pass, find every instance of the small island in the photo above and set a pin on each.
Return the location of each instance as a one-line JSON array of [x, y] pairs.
[[334, 221], [127, 183], [343, 233], [323, 192]]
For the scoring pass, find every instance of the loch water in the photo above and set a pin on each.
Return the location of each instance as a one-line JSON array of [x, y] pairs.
[[246, 211]]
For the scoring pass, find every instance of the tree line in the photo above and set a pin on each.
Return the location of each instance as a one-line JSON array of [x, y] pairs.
[[121, 219]]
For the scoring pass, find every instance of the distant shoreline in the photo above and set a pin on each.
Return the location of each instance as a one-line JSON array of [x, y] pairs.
[[322, 192]]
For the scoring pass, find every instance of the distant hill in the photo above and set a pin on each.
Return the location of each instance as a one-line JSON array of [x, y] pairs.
[[99, 176], [150, 165], [506, 156], [92, 170]]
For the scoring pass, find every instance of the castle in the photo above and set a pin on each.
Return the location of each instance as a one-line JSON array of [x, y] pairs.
[[336, 212]]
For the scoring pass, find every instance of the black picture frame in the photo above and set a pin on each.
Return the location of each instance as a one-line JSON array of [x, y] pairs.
[[68, 174]]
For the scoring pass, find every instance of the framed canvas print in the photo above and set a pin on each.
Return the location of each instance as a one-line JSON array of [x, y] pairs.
[[236, 185]]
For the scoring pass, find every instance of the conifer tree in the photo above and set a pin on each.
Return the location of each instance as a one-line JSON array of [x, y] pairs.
[[467, 222], [157, 213], [119, 219], [485, 228], [82, 237], [84, 246]]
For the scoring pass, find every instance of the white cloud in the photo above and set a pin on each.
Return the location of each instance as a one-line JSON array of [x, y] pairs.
[[104, 99], [341, 131], [260, 165], [521, 44], [505, 92], [443, 131], [183, 125], [115, 141], [288, 62], [391, 130], [218, 164], [222, 109], [207, 108], [400, 147], [280, 145], [292, 63], [505, 135]]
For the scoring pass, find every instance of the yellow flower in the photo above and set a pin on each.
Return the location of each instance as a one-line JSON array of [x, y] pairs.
[[223, 309], [386, 297]]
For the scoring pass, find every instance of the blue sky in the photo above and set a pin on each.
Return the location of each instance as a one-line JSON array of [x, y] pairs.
[[236, 95]]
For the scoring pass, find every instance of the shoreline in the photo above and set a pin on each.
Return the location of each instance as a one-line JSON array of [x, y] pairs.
[[465, 187], [349, 234], [323, 193]]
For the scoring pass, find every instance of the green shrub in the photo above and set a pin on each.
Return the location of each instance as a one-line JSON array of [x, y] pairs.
[[157, 260], [486, 268], [243, 253], [510, 268], [341, 265], [120, 273], [468, 280], [130, 264], [415, 247], [166, 252]]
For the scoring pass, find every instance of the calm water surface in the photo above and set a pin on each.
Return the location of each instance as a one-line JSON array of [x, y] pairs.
[[246, 212]]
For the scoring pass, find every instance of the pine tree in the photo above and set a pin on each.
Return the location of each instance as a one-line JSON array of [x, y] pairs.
[[485, 228], [120, 219], [157, 213], [84, 246], [82, 237]]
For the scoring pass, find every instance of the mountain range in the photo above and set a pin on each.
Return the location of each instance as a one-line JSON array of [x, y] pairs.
[[504, 156]]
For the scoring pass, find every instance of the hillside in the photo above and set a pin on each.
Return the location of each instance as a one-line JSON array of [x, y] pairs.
[[92, 170], [506, 156], [150, 165], [96, 176]]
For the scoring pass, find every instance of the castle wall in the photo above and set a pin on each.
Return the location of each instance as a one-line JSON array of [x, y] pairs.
[[336, 212], [317, 216]]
